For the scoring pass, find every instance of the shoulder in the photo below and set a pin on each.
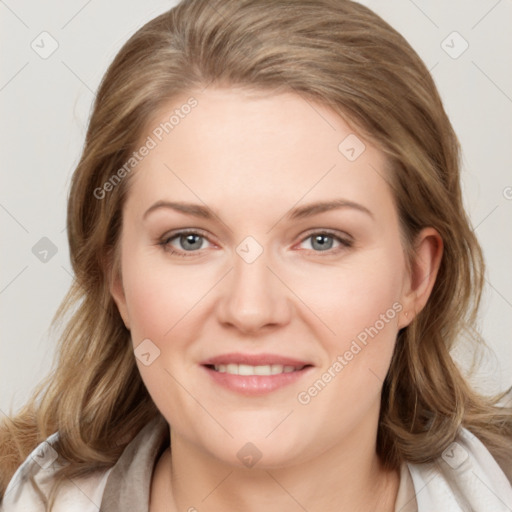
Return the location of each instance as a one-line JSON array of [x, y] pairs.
[[77, 494], [465, 477]]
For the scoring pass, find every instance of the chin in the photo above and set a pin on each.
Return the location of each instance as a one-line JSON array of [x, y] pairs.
[[257, 451]]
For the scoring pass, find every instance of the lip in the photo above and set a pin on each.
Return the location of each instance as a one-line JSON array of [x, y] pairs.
[[254, 360], [255, 385]]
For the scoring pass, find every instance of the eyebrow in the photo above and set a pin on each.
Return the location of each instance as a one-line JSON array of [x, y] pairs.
[[300, 212]]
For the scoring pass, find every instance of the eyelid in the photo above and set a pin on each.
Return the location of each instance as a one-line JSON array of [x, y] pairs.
[[342, 235], [185, 231]]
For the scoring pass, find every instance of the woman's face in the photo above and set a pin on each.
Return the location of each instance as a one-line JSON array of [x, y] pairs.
[[263, 277]]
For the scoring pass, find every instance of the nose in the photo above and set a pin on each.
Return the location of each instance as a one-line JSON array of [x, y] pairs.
[[253, 297]]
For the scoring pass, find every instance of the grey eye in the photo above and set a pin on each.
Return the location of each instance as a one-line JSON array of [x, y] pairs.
[[190, 242], [322, 242]]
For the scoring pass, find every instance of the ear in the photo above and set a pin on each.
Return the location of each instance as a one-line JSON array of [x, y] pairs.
[[427, 254], [117, 292]]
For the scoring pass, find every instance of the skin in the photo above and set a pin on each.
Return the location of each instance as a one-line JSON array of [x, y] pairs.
[[251, 158]]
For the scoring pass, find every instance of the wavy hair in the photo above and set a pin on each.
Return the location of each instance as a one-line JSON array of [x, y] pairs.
[[334, 52]]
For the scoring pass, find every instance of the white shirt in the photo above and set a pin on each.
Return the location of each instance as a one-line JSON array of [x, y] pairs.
[[466, 478]]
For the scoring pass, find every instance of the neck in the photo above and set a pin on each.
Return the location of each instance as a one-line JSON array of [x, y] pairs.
[[346, 477]]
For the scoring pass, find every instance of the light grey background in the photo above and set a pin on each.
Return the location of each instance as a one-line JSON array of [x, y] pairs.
[[45, 105]]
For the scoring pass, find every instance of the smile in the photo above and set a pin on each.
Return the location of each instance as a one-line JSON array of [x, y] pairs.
[[251, 374], [246, 369]]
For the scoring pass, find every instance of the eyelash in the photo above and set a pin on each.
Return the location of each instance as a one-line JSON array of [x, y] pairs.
[[345, 243]]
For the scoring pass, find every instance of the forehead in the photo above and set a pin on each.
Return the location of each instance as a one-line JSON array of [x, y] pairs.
[[241, 146]]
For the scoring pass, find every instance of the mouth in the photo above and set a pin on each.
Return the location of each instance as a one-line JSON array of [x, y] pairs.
[[246, 369], [250, 374]]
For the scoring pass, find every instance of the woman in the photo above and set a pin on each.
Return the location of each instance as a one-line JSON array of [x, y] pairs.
[[272, 263]]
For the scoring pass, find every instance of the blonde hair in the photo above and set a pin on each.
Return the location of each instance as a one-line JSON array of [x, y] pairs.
[[337, 53]]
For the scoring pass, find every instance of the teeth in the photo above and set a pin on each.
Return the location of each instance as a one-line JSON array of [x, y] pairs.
[[232, 368], [245, 369], [276, 368]]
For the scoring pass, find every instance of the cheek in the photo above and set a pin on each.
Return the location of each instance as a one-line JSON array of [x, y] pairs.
[[158, 304], [159, 294], [359, 303], [357, 356], [353, 296]]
